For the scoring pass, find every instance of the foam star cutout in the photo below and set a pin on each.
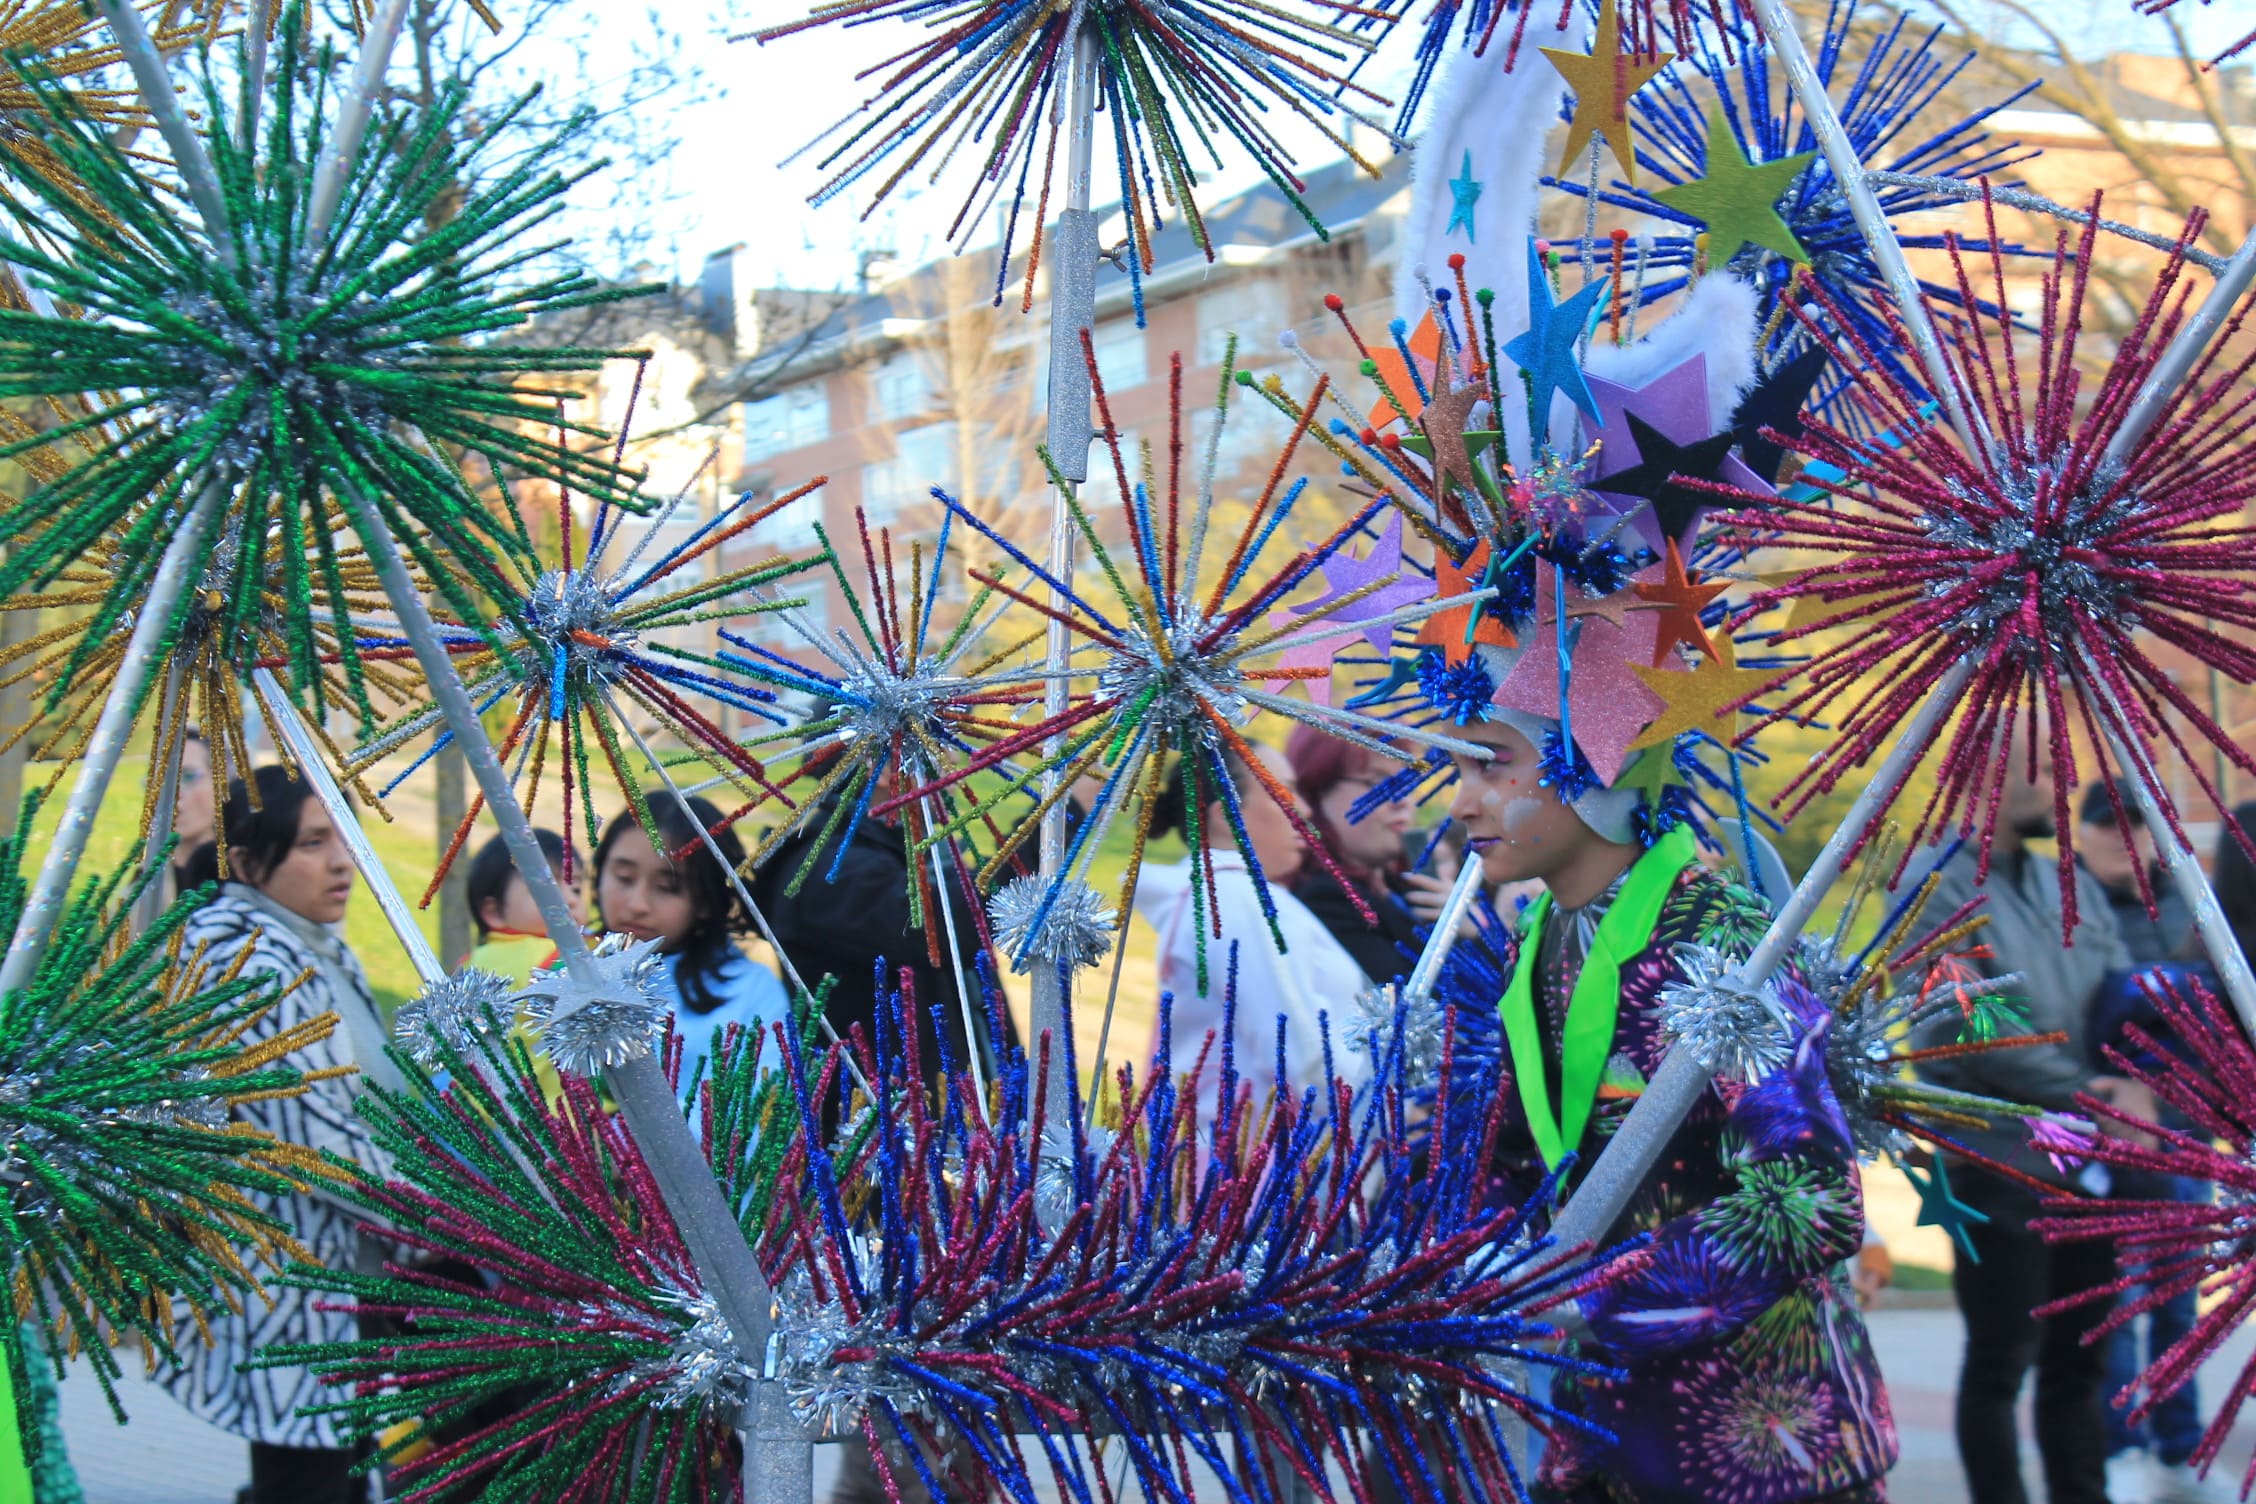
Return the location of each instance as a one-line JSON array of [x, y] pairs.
[[1605, 705], [1304, 655], [1697, 699], [1444, 424], [1546, 349], [1738, 200], [1776, 403], [1650, 773], [1676, 404], [1425, 348], [1658, 477], [1464, 192], [1603, 80], [1382, 567], [1939, 1208], [1456, 629], [1681, 600]]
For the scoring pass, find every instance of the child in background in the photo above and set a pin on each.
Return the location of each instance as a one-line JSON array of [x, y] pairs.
[[512, 940], [689, 907]]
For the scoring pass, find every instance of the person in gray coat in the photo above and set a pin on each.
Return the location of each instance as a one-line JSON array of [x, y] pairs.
[[2002, 1269]]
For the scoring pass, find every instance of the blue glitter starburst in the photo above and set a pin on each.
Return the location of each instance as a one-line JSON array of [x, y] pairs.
[[1882, 92], [1462, 691]]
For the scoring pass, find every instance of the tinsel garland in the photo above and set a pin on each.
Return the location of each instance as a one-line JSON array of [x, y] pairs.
[[124, 1184], [1285, 1279], [2041, 557], [241, 355]]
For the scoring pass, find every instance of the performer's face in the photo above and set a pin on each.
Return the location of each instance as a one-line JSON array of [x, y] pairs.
[[1518, 826], [641, 893]]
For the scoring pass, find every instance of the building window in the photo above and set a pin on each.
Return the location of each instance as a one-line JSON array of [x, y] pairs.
[[1120, 354], [899, 389], [790, 419], [791, 528], [922, 458], [1252, 310]]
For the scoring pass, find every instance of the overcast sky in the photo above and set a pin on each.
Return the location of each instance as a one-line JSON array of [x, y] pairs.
[[736, 185]]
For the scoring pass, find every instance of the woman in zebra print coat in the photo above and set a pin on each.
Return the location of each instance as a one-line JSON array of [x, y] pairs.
[[290, 877]]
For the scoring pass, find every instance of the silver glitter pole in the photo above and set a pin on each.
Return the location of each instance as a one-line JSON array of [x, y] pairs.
[[188, 156], [716, 1244], [292, 731], [1073, 301], [352, 119], [2183, 354], [1442, 938], [50, 891], [1683, 1078], [1777, 22]]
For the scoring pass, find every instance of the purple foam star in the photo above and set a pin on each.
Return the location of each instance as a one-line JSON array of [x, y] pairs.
[[1306, 655], [1676, 404], [1344, 573]]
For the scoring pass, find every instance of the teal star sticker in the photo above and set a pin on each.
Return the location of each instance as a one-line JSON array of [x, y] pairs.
[[1546, 350], [1464, 192], [1737, 201], [1939, 1208]]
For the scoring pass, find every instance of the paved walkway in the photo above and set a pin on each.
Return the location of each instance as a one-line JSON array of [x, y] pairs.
[[165, 1456]]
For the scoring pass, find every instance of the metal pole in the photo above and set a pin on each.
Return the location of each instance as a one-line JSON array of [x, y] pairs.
[[292, 732], [2183, 353], [44, 904], [188, 155], [1777, 22], [1630, 1154], [1442, 938], [1073, 301], [724, 1262], [352, 119]]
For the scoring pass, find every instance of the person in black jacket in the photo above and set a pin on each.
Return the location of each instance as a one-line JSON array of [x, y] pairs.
[[1335, 777], [842, 923]]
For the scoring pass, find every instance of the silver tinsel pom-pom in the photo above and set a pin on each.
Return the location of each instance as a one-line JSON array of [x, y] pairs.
[[1056, 1190], [703, 1366], [455, 1013], [1425, 1026], [1738, 1032], [588, 1029], [1077, 930], [826, 1395]]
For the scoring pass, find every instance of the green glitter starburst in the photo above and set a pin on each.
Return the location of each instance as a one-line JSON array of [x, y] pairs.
[[124, 1181], [251, 353]]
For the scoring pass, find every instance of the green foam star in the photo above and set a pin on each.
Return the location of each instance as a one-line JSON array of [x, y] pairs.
[[1737, 201]]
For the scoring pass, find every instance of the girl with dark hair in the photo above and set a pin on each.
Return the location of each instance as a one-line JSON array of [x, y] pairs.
[[689, 907], [1312, 975], [1335, 776], [513, 939], [289, 876]]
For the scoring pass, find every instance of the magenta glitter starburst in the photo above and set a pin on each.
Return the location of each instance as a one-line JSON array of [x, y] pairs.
[[2206, 1077], [2052, 556]]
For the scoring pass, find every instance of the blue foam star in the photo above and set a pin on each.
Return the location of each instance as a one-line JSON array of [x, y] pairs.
[[1464, 192], [1546, 351], [1939, 1208]]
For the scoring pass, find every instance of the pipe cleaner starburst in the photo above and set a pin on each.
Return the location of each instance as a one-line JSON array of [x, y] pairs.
[[582, 646], [1174, 661], [202, 685], [2036, 559], [555, 1344], [276, 351], [1289, 1283], [2157, 7], [2202, 1071], [62, 43], [988, 82], [899, 702], [1720, 116], [123, 1183]]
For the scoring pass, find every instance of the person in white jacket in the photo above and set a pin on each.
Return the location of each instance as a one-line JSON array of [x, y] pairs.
[[1293, 989]]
